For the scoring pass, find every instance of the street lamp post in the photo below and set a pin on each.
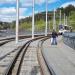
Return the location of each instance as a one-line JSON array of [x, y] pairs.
[[46, 18], [33, 20], [17, 19]]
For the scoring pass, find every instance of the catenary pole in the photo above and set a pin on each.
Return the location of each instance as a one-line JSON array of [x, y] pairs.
[[17, 19], [46, 19], [54, 22], [33, 20], [60, 17], [64, 19]]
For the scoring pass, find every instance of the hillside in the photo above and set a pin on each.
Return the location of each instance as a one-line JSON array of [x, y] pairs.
[[25, 24]]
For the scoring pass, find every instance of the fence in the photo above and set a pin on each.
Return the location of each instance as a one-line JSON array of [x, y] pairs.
[[69, 39]]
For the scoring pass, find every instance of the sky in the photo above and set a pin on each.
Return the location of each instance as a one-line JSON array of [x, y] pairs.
[[8, 8]]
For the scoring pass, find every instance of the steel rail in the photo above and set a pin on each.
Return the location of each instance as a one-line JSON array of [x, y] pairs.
[[6, 40], [20, 54], [46, 70]]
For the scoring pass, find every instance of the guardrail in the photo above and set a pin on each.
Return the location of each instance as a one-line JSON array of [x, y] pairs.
[[69, 39]]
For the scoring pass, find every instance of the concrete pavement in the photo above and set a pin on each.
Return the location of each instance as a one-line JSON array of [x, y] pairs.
[[60, 58]]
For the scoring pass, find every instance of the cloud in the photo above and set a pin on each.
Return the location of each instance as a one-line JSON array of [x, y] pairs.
[[22, 11], [39, 2], [36, 11], [7, 18], [12, 11], [9, 14], [7, 11], [52, 1], [10, 18], [42, 1], [68, 3], [26, 2], [2, 1]]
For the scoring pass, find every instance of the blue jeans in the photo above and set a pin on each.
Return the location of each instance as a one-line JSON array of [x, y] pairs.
[[54, 41]]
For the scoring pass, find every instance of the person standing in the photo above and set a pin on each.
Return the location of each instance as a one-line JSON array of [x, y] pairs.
[[54, 36]]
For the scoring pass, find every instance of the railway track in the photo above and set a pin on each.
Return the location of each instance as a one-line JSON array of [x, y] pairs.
[[27, 60], [41, 60], [45, 68], [6, 40], [14, 60], [24, 60]]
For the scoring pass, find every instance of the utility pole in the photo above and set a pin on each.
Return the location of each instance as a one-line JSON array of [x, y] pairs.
[[46, 18], [33, 20], [64, 19], [49, 25], [60, 18], [54, 22], [17, 20]]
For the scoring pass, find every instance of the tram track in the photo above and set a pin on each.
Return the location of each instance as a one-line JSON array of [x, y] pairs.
[[41, 60], [18, 65], [19, 56], [6, 40], [45, 69]]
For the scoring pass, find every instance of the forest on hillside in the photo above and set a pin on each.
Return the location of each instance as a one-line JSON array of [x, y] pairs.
[[26, 23]]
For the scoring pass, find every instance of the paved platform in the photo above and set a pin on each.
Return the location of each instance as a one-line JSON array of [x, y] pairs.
[[60, 58]]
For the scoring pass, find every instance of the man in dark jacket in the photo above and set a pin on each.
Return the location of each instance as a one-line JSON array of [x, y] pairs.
[[54, 35]]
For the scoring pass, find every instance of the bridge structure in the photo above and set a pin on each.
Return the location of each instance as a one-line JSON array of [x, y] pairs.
[[34, 54], [39, 57]]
